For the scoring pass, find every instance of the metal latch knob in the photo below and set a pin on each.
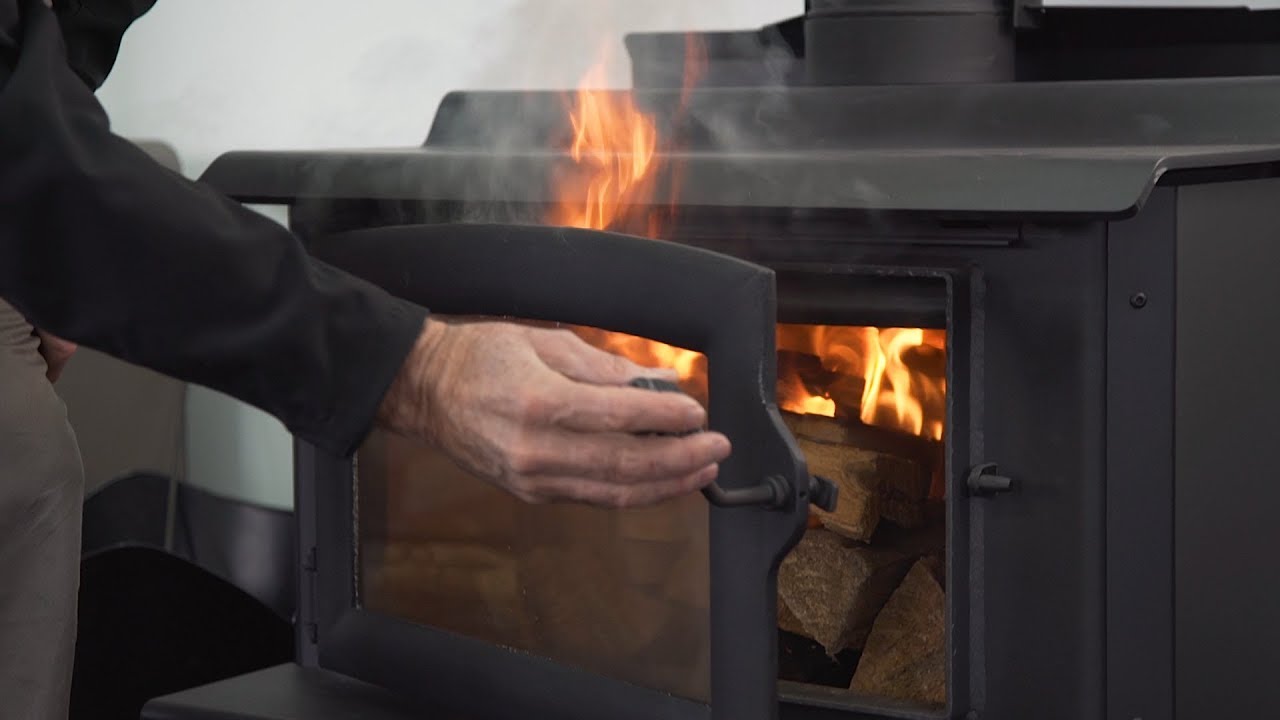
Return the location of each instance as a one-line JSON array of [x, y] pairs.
[[823, 493], [773, 492], [985, 481]]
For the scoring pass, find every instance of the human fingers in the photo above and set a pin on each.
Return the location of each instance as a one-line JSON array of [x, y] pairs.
[[544, 489], [56, 353], [599, 408], [614, 458], [567, 353]]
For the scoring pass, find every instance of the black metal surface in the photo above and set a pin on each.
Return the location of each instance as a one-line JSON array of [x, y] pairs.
[[249, 545], [151, 623], [1050, 150], [823, 493], [1139, 426], [889, 42], [319, 482], [288, 692], [1226, 619], [485, 681], [1027, 391], [1136, 42], [1039, 593], [1013, 39], [768, 56], [679, 295], [130, 510]]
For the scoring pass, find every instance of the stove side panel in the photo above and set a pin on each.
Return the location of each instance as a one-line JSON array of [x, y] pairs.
[[1227, 487], [1036, 557], [1038, 560], [1139, 507]]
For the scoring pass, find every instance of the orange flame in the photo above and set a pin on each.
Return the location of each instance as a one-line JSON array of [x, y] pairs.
[[613, 149], [691, 366], [902, 373], [891, 377]]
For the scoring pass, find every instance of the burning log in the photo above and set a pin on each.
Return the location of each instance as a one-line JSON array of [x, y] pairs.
[[905, 654], [928, 540], [805, 374], [875, 480], [830, 589]]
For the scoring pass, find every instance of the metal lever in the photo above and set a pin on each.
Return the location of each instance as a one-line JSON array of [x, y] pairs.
[[984, 481], [823, 493], [772, 492]]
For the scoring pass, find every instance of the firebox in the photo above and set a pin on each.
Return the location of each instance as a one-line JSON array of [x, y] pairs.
[[982, 293]]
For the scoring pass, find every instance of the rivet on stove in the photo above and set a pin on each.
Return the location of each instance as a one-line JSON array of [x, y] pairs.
[[1138, 300]]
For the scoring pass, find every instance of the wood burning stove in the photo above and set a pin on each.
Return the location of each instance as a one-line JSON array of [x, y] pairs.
[[1017, 315]]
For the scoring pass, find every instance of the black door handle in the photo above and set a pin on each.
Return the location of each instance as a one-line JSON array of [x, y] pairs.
[[773, 492]]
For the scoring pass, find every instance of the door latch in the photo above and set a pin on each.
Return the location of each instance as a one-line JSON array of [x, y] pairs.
[[773, 492], [985, 481]]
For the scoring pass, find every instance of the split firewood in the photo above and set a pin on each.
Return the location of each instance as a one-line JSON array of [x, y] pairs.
[[905, 655], [930, 539], [854, 472], [787, 620], [831, 588], [874, 480], [806, 373], [846, 391], [903, 489]]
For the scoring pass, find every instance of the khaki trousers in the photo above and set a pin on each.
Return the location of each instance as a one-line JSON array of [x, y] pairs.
[[41, 496]]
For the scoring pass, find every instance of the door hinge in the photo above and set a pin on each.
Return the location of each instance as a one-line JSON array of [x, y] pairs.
[[307, 612]]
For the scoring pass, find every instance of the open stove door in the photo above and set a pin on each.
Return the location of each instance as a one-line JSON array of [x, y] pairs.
[[690, 298]]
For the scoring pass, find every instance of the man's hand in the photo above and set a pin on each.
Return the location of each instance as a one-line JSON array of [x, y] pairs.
[[548, 417], [56, 352]]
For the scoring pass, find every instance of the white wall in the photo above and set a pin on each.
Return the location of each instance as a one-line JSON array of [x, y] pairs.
[[208, 77]]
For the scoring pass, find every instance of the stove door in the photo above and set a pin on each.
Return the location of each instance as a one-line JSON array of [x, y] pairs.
[[495, 608]]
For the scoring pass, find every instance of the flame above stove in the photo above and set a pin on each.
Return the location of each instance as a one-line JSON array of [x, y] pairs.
[[891, 377], [613, 148]]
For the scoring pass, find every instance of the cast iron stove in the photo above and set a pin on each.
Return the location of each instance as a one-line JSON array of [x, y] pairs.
[[1001, 271]]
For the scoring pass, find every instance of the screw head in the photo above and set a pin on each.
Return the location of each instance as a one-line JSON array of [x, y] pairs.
[[1138, 300]]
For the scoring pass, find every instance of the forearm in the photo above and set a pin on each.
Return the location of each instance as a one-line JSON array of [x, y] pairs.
[[102, 246]]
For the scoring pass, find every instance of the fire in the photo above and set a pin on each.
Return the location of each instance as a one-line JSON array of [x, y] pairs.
[[689, 365], [613, 149], [890, 377]]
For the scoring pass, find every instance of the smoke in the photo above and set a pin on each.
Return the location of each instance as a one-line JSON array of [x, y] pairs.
[[556, 41], [559, 42]]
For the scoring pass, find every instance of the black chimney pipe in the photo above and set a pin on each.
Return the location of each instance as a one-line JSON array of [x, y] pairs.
[[893, 42]]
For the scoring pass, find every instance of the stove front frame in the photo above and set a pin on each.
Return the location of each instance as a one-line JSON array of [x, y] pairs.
[[929, 294]]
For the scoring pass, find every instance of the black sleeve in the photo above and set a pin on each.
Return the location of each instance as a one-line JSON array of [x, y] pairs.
[[105, 247]]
